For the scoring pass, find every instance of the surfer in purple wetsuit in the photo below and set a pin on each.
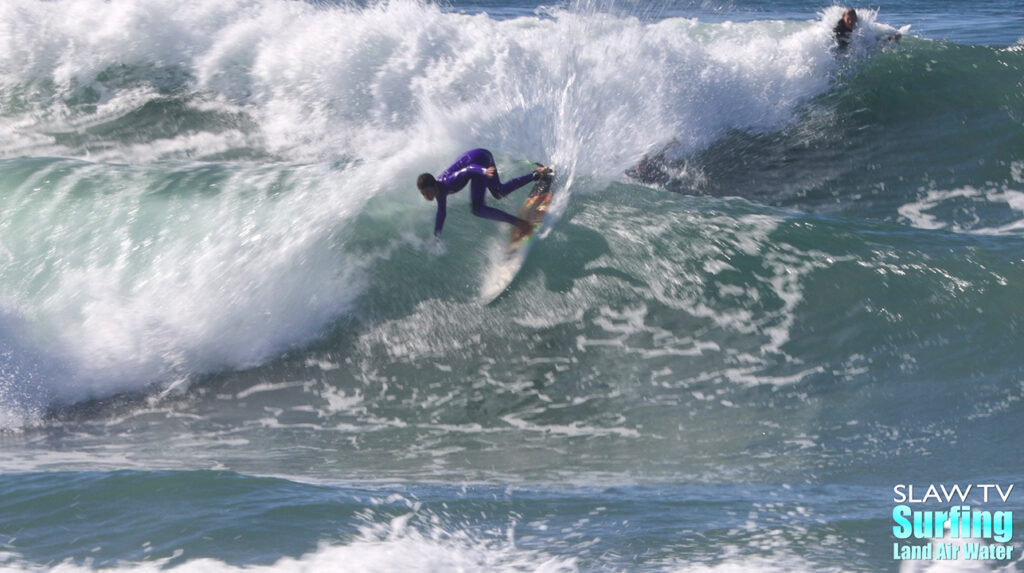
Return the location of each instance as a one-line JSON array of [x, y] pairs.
[[475, 167]]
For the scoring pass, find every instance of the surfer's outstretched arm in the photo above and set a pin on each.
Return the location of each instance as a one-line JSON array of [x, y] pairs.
[[442, 212]]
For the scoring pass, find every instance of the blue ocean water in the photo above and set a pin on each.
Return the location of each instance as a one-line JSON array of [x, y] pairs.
[[780, 281]]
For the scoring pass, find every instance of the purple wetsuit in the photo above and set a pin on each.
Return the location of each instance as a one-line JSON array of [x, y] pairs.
[[471, 168]]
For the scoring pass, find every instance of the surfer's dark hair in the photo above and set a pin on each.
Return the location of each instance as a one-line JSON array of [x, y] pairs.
[[425, 181]]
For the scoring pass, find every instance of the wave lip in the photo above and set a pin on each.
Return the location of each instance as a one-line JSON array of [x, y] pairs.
[[279, 78]]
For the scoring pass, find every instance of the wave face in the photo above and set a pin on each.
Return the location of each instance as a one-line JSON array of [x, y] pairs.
[[214, 265], [218, 168]]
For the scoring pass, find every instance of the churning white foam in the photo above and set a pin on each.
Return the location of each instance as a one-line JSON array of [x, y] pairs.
[[584, 89], [174, 273], [958, 210], [395, 547]]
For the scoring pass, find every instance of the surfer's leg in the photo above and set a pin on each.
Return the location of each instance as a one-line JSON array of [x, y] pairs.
[[499, 189], [484, 158], [479, 208], [480, 157], [477, 185]]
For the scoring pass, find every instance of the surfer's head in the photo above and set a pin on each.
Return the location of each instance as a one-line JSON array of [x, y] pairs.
[[427, 186], [850, 18]]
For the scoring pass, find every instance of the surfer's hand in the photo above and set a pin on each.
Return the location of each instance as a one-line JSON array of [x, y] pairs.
[[491, 171]]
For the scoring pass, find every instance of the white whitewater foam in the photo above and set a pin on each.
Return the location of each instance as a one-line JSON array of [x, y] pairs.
[[580, 88], [399, 548], [921, 213]]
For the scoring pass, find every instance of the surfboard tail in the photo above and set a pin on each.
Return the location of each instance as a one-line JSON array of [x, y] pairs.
[[503, 273]]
